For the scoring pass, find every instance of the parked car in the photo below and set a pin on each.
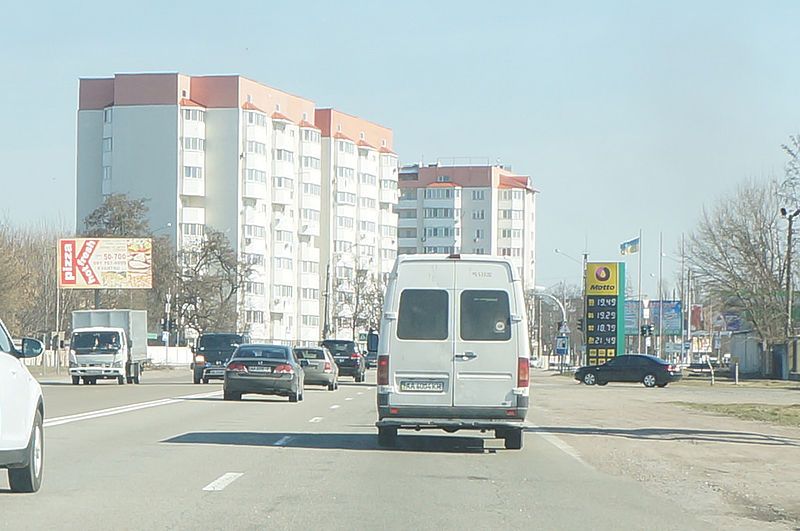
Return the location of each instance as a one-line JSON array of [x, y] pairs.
[[321, 368], [265, 370], [453, 348], [649, 370], [21, 415], [350, 361]]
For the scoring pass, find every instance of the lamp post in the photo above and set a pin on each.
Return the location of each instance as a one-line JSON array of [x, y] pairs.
[[583, 262], [790, 218]]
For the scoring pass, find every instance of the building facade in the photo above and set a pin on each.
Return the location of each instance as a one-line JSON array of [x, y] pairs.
[[245, 159], [468, 209]]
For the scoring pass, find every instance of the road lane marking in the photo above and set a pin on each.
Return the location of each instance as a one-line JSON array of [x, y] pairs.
[[58, 421], [335, 406], [360, 393], [316, 419], [223, 481], [283, 440], [348, 398], [564, 447]]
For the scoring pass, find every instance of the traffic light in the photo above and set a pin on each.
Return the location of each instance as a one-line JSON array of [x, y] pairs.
[[646, 330], [643, 331], [164, 325], [580, 325]]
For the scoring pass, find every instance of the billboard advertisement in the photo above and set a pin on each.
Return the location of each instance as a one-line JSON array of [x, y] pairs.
[[105, 263], [605, 311], [673, 313]]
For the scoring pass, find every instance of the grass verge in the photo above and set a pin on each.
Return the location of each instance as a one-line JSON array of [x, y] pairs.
[[782, 415]]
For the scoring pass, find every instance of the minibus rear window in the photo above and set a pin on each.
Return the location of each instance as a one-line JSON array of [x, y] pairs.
[[423, 314], [485, 315]]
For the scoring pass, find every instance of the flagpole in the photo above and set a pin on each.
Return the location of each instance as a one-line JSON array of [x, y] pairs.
[[639, 295], [660, 296]]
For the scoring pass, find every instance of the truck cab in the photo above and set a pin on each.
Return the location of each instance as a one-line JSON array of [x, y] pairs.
[[211, 354], [99, 353]]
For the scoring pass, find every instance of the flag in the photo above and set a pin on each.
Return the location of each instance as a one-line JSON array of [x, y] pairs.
[[629, 247]]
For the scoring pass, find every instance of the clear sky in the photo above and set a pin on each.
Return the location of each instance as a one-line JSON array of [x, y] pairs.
[[628, 115]]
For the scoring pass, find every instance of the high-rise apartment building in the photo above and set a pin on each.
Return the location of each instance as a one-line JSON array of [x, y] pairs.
[[468, 209], [250, 161]]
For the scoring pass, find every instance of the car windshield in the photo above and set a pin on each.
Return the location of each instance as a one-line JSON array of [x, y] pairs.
[[310, 353], [340, 347], [266, 352], [219, 341], [95, 341]]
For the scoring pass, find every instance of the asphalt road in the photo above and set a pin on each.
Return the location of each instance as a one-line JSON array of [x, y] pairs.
[[171, 455]]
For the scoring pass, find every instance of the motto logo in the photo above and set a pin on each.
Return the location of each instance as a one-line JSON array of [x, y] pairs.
[[602, 274]]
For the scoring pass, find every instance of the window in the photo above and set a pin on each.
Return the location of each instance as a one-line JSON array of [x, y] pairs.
[[407, 233], [345, 198], [254, 231], [191, 143], [442, 178], [282, 263], [193, 229], [343, 171], [504, 251], [310, 320], [388, 160], [518, 194], [479, 214], [193, 172], [479, 234], [344, 272], [310, 294], [255, 176], [516, 252], [107, 145], [311, 162], [281, 290], [480, 250], [106, 173], [107, 115], [423, 315], [282, 182], [345, 146], [367, 202], [254, 288], [195, 115], [256, 147], [345, 222], [254, 259], [284, 236], [309, 214], [507, 213], [478, 195], [438, 193], [366, 250], [485, 315], [307, 266], [388, 254], [408, 193], [439, 213], [254, 316], [283, 155], [388, 231], [407, 213], [255, 118], [367, 226], [438, 232], [368, 179], [407, 250], [311, 135], [342, 246], [311, 189], [389, 184]]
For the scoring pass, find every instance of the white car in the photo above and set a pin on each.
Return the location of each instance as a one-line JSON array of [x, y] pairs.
[[21, 415]]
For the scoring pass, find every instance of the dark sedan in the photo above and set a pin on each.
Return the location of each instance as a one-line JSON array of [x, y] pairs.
[[264, 370], [649, 370]]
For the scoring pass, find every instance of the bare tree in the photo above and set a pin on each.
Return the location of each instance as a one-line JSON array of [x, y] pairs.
[[359, 301]]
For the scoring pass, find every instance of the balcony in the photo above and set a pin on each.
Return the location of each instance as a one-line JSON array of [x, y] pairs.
[[309, 228], [254, 189], [283, 196], [195, 187], [407, 223], [281, 305], [391, 196]]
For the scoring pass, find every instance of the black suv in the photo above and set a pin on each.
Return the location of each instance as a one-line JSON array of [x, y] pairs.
[[212, 353], [349, 360]]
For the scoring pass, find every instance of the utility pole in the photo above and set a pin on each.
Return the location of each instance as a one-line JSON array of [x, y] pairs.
[[789, 256], [689, 316], [660, 296], [326, 327]]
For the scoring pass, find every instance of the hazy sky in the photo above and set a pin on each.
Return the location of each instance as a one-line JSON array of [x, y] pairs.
[[626, 115]]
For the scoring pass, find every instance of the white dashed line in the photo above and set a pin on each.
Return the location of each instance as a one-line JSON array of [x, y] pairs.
[[360, 393], [335, 406], [316, 419], [223, 481], [283, 440], [348, 398]]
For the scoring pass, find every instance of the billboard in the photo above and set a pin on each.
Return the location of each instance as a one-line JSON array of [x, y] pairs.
[[105, 263], [605, 311], [673, 314]]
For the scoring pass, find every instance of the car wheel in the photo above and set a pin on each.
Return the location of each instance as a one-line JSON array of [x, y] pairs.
[[196, 378], [662, 384], [137, 378], [601, 382], [295, 397], [513, 439], [589, 378], [121, 380], [93, 381], [649, 380], [231, 395], [76, 380], [332, 386], [130, 379], [205, 380], [29, 478], [387, 437]]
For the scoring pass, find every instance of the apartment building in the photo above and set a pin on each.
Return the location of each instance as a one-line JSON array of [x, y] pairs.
[[236, 155], [468, 209]]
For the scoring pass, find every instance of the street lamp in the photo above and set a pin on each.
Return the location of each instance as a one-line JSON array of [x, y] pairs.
[[790, 218], [541, 290]]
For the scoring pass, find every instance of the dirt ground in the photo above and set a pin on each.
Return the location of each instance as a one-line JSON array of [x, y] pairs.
[[732, 473]]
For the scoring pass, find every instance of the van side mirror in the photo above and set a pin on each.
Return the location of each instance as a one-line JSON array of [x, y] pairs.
[[31, 347], [372, 342]]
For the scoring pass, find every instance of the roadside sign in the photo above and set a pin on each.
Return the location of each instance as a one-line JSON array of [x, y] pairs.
[[102, 263], [165, 336], [605, 311], [562, 346], [564, 330]]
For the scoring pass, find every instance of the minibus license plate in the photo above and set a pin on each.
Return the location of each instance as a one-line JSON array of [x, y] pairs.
[[422, 386]]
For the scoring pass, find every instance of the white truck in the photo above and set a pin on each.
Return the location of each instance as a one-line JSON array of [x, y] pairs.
[[108, 344]]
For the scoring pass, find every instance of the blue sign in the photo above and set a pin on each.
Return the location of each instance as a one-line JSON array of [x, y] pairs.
[[562, 346], [673, 315]]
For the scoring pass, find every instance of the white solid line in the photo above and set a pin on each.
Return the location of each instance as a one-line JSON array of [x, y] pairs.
[[564, 447], [58, 421], [223, 481], [283, 440], [335, 406], [316, 419], [348, 398]]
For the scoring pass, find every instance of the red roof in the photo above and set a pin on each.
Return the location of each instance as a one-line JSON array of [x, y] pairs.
[[443, 185], [514, 181], [341, 136], [280, 116], [185, 102], [250, 107], [361, 143], [386, 150], [307, 124]]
